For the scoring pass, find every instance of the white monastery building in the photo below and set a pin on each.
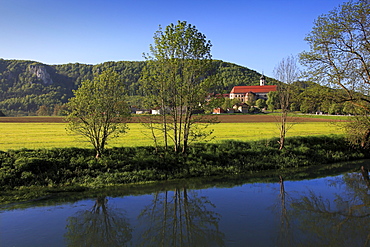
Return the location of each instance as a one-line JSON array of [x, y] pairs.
[[243, 93]]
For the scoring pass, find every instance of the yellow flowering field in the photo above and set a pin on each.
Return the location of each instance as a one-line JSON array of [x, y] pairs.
[[50, 135]]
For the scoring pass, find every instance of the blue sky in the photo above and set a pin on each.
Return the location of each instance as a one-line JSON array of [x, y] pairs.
[[256, 34]]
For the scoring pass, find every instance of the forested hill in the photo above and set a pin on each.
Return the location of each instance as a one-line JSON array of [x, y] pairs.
[[25, 86]]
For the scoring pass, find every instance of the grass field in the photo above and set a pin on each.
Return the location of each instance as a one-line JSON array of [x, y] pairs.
[[50, 135]]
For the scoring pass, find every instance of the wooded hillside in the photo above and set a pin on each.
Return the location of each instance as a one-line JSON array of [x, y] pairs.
[[28, 86]]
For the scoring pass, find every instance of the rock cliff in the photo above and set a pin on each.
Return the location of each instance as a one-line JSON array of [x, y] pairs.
[[40, 72]]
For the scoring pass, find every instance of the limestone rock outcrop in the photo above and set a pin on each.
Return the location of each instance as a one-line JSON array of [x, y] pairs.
[[41, 73]]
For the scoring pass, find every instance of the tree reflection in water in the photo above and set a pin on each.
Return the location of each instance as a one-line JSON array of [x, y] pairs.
[[285, 237], [100, 226], [341, 222], [180, 218]]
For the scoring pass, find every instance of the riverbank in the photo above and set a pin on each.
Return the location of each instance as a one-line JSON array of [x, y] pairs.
[[26, 174]]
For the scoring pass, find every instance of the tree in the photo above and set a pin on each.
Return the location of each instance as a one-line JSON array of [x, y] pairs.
[[43, 111], [229, 103], [261, 103], [214, 102], [98, 110], [358, 130], [59, 110], [287, 73], [175, 79], [340, 53], [272, 100], [251, 100]]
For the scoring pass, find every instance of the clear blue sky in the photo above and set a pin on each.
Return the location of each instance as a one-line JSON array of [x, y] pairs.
[[253, 33]]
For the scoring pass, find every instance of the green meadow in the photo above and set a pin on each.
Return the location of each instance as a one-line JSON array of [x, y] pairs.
[[54, 135]]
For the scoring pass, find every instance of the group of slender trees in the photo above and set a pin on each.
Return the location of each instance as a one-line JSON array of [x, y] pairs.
[[175, 81]]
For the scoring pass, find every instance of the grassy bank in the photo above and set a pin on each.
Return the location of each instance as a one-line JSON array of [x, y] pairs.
[[77, 169]]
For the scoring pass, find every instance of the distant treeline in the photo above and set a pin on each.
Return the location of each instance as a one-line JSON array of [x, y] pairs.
[[28, 87]]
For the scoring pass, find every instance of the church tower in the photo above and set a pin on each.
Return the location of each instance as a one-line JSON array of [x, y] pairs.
[[262, 80]]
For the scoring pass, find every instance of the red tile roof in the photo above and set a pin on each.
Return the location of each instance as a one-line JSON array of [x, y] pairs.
[[254, 89]]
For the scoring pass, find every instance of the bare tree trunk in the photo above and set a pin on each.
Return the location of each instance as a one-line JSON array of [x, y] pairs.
[[283, 127], [187, 125], [165, 135], [287, 73]]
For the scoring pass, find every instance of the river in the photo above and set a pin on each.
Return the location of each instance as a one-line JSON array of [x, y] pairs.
[[326, 211]]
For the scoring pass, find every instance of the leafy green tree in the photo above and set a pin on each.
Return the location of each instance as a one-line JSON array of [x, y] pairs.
[[335, 109], [43, 111], [348, 108], [340, 51], [314, 98], [340, 54], [272, 100], [214, 103], [306, 107], [251, 101], [175, 79], [98, 110], [229, 103], [59, 110], [293, 106], [358, 130], [261, 103]]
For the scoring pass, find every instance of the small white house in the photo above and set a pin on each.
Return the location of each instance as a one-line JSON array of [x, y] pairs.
[[156, 111]]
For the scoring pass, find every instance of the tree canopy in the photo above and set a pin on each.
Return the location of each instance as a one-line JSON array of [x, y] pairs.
[[340, 51], [175, 79], [340, 56], [98, 110]]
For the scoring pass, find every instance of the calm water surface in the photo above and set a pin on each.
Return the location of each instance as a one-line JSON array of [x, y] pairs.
[[331, 211]]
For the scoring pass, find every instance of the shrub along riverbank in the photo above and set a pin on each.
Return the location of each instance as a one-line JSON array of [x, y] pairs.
[[77, 169]]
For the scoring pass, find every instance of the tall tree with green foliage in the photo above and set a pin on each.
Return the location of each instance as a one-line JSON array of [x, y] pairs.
[[272, 100], [340, 52], [175, 79], [286, 72], [98, 110]]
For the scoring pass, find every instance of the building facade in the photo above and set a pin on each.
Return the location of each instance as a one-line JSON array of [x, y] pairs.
[[245, 93]]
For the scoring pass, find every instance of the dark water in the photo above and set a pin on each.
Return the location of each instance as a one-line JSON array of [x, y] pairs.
[[330, 211]]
